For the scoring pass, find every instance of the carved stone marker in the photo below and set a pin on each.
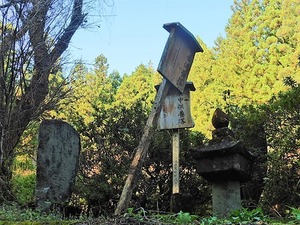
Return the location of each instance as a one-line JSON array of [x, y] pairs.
[[224, 162], [57, 163]]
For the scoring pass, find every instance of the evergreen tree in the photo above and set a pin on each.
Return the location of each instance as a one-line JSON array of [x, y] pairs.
[[248, 65], [139, 86], [208, 90]]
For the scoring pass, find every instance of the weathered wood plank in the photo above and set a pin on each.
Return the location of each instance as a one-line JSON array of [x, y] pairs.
[[175, 160], [142, 148]]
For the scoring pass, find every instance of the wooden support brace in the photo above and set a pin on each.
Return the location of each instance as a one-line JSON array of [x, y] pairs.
[[142, 148]]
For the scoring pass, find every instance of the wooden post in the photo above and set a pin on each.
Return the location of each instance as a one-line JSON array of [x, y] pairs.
[[142, 149], [174, 66], [175, 159], [175, 167]]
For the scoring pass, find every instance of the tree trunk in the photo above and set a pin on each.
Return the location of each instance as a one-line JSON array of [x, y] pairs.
[[15, 115]]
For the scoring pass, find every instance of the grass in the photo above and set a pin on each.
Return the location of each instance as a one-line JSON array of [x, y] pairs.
[[14, 215]]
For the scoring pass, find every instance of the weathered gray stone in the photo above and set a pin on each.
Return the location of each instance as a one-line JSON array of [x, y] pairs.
[[224, 162], [57, 163], [226, 197]]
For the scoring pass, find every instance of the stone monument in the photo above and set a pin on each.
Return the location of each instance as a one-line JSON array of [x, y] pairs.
[[57, 163], [224, 162]]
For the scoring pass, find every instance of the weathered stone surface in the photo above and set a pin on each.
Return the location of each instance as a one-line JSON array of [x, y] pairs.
[[224, 162], [226, 159], [220, 119], [220, 133], [233, 167], [57, 163], [226, 197]]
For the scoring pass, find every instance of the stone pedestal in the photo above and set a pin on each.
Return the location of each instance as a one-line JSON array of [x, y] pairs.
[[226, 197], [57, 163]]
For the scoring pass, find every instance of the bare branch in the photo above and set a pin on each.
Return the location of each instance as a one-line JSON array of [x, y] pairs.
[[76, 20]]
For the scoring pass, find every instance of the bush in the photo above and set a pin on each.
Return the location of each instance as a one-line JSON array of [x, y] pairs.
[[23, 187]]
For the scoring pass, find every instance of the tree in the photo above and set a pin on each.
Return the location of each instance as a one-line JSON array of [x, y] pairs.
[[260, 49], [139, 86], [108, 145], [283, 135], [248, 64], [90, 89], [110, 136], [244, 70], [34, 35], [208, 90]]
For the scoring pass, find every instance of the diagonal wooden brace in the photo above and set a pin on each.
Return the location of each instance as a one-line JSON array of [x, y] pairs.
[[141, 150]]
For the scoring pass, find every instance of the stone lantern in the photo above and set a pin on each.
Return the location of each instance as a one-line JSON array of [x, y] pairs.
[[225, 163]]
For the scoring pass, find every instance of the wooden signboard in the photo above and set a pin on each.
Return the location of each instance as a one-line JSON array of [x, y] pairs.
[[178, 55]]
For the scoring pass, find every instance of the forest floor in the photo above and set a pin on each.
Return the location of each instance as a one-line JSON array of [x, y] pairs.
[[13, 216]]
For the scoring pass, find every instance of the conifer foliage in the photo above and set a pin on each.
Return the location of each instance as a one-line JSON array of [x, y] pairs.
[[253, 73]]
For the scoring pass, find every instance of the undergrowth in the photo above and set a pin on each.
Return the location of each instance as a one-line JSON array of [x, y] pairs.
[[14, 215], [243, 216]]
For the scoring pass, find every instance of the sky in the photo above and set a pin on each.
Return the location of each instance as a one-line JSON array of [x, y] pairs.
[[130, 32]]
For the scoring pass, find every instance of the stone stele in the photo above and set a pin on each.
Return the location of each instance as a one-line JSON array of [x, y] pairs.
[[57, 163]]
